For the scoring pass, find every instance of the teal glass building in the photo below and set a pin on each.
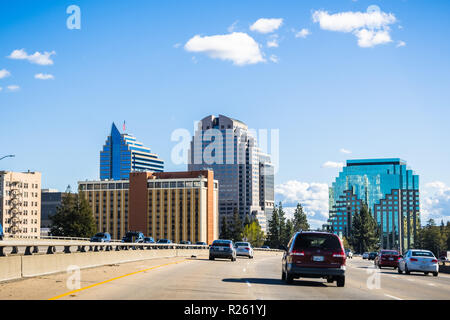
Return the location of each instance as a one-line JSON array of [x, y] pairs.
[[123, 154], [391, 191]]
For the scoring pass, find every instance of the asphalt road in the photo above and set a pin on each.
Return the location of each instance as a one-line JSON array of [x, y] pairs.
[[201, 279]]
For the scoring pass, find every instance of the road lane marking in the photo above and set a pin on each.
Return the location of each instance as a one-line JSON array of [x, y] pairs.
[[116, 278], [392, 297]]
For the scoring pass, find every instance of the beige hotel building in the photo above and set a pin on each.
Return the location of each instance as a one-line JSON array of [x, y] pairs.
[[163, 205]]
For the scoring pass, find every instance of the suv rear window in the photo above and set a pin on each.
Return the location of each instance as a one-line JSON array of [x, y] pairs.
[[317, 241]]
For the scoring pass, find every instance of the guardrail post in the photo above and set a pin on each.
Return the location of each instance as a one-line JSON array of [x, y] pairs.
[[51, 250], [28, 251], [14, 250], [107, 248], [2, 252], [36, 249], [81, 249], [117, 248], [67, 249]]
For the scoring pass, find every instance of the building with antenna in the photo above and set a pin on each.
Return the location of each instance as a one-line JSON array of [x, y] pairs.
[[123, 154]]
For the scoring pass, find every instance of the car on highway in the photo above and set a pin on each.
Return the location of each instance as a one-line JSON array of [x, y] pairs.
[[201, 243], [244, 249], [349, 253], [416, 260], [133, 237], [365, 255], [222, 249], [372, 255], [185, 242], [387, 258], [101, 237], [1, 232], [265, 247], [165, 241], [314, 255], [149, 240]]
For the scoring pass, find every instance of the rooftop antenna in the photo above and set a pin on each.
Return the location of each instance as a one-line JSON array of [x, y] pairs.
[[124, 126], [68, 189]]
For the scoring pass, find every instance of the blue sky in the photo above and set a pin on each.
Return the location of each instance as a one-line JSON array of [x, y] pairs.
[[377, 90]]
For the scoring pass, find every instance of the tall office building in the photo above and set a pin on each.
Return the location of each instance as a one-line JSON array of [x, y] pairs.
[[391, 191], [163, 205], [20, 203], [51, 199], [123, 154], [226, 146]]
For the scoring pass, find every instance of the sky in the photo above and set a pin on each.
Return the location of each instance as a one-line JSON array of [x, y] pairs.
[[338, 79]]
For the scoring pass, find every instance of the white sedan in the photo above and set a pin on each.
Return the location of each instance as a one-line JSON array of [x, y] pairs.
[[365, 255], [244, 249], [418, 261]]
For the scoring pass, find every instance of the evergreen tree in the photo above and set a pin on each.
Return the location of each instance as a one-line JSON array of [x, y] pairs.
[[288, 232], [364, 236], [283, 230], [300, 219], [253, 234], [73, 218], [273, 237], [224, 229], [237, 230]]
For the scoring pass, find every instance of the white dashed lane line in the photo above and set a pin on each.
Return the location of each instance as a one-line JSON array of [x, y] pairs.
[[392, 297]]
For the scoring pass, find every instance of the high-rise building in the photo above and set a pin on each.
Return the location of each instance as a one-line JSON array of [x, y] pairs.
[[391, 191], [123, 154], [51, 199], [20, 203], [227, 147], [163, 205]]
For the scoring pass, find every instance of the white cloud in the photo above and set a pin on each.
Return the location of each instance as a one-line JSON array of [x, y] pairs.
[[177, 45], [345, 151], [4, 73], [435, 202], [1, 88], [272, 43], [371, 28], [43, 76], [238, 47], [232, 28], [331, 164], [274, 58], [13, 88], [266, 25], [312, 196], [302, 33], [37, 57], [401, 44]]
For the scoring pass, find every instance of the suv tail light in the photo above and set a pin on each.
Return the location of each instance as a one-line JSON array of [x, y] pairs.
[[297, 253], [339, 255], [413, 259], [434, 261]]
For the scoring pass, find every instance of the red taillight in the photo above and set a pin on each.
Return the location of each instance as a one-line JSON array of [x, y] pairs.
[[413, 259], [231, 246], [297, 253], [434, 261], [398, 258], [247, 248]]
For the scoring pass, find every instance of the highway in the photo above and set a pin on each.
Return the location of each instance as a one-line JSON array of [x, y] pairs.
[[198, 278]]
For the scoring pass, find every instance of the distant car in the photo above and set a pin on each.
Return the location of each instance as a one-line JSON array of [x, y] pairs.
[[1, 232], [349, 253], [314, 255], [387, 258], [133, 237], [265, 247], [244, 249], [416, 260], [365, 255], [149, 240], [165, 241], [222, 249], [185, 242], [101, 237], [372, 255], [201, 243]]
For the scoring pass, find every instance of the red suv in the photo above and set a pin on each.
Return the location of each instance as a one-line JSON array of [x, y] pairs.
[[387, 258], [314, 255]]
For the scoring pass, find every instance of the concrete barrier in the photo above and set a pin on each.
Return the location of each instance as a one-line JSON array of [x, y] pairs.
[[10, 268]]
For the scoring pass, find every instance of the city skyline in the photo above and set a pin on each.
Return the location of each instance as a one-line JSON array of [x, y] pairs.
[[153, 66]]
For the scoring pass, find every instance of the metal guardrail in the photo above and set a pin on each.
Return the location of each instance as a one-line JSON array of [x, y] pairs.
[[8, 248]]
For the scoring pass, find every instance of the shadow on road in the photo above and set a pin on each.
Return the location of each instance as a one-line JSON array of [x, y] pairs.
[[268, 281]]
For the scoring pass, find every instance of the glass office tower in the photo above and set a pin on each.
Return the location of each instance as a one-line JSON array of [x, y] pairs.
[[122, 154], [391, 191]]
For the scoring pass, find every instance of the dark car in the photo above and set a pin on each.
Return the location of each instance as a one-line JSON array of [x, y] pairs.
[[265, 247], [164, 241], [372, 255], [387, 258], [314, 255], [201, 243], [149, 240], [185, 242], [1, 232], [133, 237], [101, 237], [222, 249]]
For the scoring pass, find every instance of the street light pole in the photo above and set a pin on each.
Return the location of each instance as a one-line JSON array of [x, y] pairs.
[[8, 156]]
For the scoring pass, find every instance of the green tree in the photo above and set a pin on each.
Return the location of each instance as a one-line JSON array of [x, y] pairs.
[[273, 237], [300, 219], [346, 244], [288, 232], [73, 218], [432, 237], [237, 229], [364, 235], [225, 229], [253, 234]]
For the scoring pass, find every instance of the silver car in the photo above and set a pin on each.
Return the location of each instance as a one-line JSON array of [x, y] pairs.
[[244, 249], [416, 260]]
